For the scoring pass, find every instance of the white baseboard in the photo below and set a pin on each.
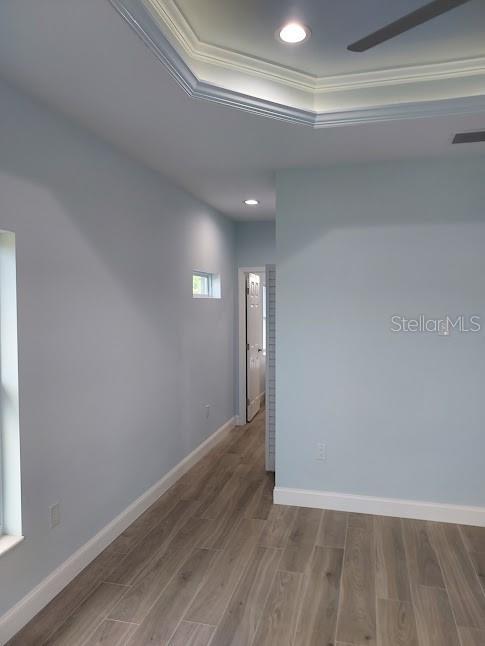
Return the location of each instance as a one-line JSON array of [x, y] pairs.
[[18, 616], [241, 421], [262, 398], [460, 514]]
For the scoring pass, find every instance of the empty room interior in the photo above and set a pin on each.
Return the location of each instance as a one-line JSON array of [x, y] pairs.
[[242, 323]]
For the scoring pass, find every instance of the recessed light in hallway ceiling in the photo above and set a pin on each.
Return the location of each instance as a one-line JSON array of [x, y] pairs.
[[251, 202]]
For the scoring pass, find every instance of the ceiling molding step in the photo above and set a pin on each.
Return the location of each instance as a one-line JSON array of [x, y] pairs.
[[171, 15], [341, 105]]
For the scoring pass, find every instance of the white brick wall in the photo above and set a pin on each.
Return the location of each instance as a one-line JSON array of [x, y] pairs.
[[270, 365]]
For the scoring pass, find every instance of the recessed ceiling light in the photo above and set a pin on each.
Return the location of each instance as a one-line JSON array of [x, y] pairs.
[[251, 202], [294, 33]]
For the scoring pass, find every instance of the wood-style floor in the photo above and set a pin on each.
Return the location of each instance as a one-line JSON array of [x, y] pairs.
[[215, 562]]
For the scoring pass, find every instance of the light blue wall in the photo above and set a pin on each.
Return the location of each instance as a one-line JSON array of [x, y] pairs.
[[117, 361], [255, 243], [403, 415]]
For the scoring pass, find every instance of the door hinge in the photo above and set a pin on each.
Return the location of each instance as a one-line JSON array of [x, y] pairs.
[[247, 346]]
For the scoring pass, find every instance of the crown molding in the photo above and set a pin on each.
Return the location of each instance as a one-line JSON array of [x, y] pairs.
[[419, 91], [174, 24], [171, 15]]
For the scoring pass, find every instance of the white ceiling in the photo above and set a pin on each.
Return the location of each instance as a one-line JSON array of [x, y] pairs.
[[248, 26], [81, 58], [228, 53]]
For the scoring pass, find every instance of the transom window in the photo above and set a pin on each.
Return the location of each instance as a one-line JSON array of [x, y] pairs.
[[201, 284], [206, 285]]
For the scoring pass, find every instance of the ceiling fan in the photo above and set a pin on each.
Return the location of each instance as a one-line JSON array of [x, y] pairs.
[[407, 22]]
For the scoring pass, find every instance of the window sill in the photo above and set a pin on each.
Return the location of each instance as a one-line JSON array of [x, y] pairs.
[[207, 297], [7, 543]]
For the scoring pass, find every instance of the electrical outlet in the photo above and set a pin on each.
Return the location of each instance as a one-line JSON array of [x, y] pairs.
[[55, 515], [207, 411], [321, 452]]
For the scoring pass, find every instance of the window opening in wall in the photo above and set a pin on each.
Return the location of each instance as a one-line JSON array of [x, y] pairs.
[[206, 285], [10, 497]]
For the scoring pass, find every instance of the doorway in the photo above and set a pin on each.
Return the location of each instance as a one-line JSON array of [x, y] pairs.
[[256, 296], [255, 343]]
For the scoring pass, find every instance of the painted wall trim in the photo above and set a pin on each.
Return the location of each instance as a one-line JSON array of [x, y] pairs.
[[420, 510], [8, 542], [20, 614], [261, 397], [10, 482], [184, 35], [242, 355], [270, 385], [334, 104]]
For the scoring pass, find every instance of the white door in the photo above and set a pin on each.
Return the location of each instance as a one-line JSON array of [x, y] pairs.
[[254, 343]]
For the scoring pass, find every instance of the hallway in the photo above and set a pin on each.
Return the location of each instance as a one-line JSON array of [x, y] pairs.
[[214, 562]]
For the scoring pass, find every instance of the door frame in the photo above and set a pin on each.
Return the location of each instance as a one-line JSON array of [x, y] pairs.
[[242, 353]]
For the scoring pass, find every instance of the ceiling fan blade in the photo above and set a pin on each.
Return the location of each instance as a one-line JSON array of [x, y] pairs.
[[411, 20]]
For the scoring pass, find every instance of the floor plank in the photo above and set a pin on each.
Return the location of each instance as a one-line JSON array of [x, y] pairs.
[[472, 637], [434, 618], [82, 624], [462, 583], [142, 526], [138, 561], [301, 540], [247, 441], [222, 528], [138, 599], [111, 633], [357, 616], [392, 580], [474, 538], [222, 497], [215, 593], [278, 623], [318, 613], [241, 619], [203, 474], [219, 474], [332, 530], [278, 526], [423, 565], [64, 604], [190, 634], [396, 623], [160, 624], [262, 501], [361, 521], [478, 560]]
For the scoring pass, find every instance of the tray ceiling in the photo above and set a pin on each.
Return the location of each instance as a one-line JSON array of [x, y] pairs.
[[248, 27], [82, 60], [225, 51]]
